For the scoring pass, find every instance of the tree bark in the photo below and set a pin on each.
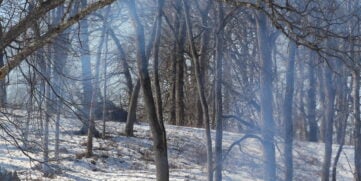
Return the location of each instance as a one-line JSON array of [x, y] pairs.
[[329, 119], [322, 95], [311, 101], [218, 94], [157, 126], [203, 57], [356, 114], [156, 46], [179, 84], [343, 114], [201, 92], [60, 57], [172, 117], [132, 110], [47, 112], [87, 84], [266, 75], [287, 112], [2, 82]]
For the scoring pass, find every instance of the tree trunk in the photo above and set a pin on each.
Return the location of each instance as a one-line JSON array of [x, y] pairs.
[[86, 76], [201, 92], [156, 45], [47, 112], [172, 117], [329, 118], [268, 129], [124, 62], [311, 101], [157, 126], [60, 56], [218, 94], [357, 131], [132, 110], [203, 57], [322, 95], [29, 108], [2, 82], [103, 42], [343, 111], [287, 112], [105, 67], [179, 84]]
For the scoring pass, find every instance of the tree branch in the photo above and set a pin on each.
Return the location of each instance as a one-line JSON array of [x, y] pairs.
[[49, 36]]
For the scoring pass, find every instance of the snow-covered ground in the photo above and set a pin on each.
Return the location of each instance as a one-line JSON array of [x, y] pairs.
[[122, 158]]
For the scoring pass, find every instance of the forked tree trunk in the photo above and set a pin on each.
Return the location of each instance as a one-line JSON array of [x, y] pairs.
[[157, 126], [201, 93]]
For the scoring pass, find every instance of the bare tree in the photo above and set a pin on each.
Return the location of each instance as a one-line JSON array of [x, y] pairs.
[[268, 127], [287, 112], [201, 92], [356, 114], [25, 23], [156, 125], [329, 120], [218, 94], [311, 100]]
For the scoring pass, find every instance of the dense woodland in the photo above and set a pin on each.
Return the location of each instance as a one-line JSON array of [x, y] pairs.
[[277, 71]]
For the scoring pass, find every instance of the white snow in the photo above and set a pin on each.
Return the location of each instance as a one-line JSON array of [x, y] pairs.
[[122, 158]]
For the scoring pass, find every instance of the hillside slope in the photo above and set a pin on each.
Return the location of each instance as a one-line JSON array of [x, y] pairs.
[[122, 158]]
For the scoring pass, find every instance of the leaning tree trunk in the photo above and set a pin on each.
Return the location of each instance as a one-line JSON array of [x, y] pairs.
[[132, 110], [157, 126], [123, 59], [156, 46], [287, 112], [268, 129]]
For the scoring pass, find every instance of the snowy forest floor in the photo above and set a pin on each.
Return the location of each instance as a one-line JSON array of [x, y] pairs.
[[130, 158]]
